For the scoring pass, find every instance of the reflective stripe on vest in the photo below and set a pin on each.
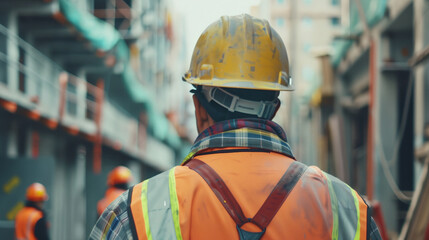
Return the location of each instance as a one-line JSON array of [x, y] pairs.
[[160, 207], [349, 220], [29, 226]]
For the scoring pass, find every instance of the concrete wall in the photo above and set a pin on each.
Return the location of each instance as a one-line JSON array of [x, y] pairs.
[[73, 187], [387, 123]]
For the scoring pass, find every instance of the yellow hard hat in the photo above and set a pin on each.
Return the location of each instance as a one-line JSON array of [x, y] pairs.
[[240, 52], [119, 175], [36, 192]]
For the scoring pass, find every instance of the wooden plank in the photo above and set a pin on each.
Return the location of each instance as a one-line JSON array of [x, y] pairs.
[[360, 85], [337, 143], [418, 214], [419, 57], [422, 152], [327, 76]]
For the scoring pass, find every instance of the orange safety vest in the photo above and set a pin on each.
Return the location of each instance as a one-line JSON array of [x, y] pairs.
[[180, 204], [111, 194], [25, 222]]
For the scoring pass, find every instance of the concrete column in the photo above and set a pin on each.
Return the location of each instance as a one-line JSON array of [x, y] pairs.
[[68, 198], [420, 6], [12, 51], [34, 77], [421, 76], [81, 96], [12, 140], [58, 198], [3, 47], [4, 133], [385, 131], [77, 196]]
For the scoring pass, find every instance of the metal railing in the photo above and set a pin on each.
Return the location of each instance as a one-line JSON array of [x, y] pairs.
[[132, 135], [33, 81], [28, 76]]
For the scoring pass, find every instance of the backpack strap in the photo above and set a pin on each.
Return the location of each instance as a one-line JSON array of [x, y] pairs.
[[220, 189], [279, 194], [269, 208]]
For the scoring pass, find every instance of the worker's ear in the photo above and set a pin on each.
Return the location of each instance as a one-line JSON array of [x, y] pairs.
[[202, 117]]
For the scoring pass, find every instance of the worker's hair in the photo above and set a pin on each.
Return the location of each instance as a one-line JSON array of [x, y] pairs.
[[219, 113], [29, 203], [123, 186]]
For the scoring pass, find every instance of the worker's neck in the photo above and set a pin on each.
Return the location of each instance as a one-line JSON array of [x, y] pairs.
[[202, 117]]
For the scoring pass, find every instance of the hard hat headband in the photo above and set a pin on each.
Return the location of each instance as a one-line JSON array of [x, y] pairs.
[[262, 109]]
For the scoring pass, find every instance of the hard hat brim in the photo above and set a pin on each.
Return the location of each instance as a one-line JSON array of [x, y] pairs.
[[239, 83]]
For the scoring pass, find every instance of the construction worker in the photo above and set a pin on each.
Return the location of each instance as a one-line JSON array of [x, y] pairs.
[[117, 182], [30, 222], [240, 179]]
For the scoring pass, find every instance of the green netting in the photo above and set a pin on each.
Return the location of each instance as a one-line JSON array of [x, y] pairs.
[[340, 48], [101, 34], [105, 37], [135, 89], [374, 12], [159, 126], [162, 129]]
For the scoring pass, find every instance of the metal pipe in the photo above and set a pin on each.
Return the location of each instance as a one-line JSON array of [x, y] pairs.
[[372, 79], [370, 142]]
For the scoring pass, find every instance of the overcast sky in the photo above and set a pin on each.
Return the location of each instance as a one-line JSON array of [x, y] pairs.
[[199, 14]]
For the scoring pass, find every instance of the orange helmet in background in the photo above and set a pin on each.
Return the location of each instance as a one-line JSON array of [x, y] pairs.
[[36, 192], [119, 175]]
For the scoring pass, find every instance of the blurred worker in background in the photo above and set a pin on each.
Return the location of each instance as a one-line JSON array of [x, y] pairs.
[[240, 180], [117, 182], [30, 222]]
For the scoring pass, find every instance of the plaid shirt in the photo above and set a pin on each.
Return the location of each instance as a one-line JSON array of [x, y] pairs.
[[255, 133]]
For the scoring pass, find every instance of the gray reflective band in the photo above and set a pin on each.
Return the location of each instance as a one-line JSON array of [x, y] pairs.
[[347, 212], [159, 207], [28, 227], [264, 109]]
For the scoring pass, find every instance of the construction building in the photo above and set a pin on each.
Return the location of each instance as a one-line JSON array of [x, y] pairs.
[[360, 110], [84, 87], [305, 26], [364, 116]]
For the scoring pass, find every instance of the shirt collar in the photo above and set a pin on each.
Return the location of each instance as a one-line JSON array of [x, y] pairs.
[[249, 132], [255, 123]]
